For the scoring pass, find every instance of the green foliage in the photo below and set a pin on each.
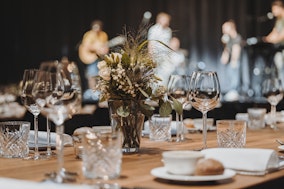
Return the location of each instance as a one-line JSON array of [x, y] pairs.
[[165, 109]]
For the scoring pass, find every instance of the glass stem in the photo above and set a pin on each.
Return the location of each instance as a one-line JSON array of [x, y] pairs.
[[273, 117], [36, 155], [48, 149], [59, 149], [204, 118], [178, 128], [182, 128]]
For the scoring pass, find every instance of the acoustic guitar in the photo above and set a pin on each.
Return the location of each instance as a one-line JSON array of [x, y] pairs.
[[88, 56]]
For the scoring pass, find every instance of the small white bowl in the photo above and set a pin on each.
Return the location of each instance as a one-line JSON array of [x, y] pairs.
[[181, 162]]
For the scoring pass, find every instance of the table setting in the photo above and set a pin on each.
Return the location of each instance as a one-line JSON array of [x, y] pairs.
[[236, 161], [227, 155]]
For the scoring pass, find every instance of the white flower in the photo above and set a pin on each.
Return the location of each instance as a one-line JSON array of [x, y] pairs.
[[102, 64], [105, 73]]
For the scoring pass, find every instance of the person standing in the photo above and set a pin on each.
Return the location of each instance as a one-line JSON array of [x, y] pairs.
[[160, 35], [93, 46], [276, 36], [178, 57], [230, 57]]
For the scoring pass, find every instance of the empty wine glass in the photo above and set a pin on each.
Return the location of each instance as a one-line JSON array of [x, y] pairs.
[[61, 104], [187, 106], [178, 88], [205, 91], [29, 102], [272, 90], [41, 90], [48, 66]]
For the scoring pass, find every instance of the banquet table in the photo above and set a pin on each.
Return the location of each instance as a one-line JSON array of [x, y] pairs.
[[136, 168]]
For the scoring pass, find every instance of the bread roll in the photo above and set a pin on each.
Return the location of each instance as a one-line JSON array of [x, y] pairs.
[[188, 123], [209, 166]]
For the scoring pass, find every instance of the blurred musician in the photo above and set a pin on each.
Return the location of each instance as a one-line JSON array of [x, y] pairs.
[[231, 58], [94, 45], [276, 36]]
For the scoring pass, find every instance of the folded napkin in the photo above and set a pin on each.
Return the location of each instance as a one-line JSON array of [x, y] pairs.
[[245, 160], [24, 184], [42, 139]]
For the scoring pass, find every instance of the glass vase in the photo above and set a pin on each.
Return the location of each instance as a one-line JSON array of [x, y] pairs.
[[126, 117]]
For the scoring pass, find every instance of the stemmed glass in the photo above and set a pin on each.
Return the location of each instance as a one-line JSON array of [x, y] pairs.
[[41, 90], [205, 91], [178, 88], [48, 66], [272, 90], [29, 102], [61, 104]]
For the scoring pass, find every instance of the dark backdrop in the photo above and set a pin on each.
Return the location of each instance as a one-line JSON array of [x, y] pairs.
[[38, 30]]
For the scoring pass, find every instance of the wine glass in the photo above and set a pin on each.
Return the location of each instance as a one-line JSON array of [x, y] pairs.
[[41, 90], [205, 91], [48, 66], [272, 90], [29, 102], [178, 88], [61, 104]]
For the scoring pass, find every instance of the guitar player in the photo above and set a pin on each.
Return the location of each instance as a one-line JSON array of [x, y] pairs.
[[93, 46]]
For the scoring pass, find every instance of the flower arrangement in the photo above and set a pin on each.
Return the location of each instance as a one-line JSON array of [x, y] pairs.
[[129, 74]]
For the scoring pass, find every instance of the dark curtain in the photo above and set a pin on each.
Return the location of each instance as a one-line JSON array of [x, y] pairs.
[[36, 31]]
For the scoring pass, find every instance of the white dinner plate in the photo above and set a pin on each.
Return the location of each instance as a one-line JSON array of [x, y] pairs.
[[161, 172]]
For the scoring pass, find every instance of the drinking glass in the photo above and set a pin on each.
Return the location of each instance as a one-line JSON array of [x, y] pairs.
[[41, 90], [231, 133], [102, 158], [178, 88], [61, 104], [29, 102], [272, 90], [205, 91], [48, 66]]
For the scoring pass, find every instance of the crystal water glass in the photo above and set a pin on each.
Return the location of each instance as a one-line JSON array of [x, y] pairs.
[[102, 157]]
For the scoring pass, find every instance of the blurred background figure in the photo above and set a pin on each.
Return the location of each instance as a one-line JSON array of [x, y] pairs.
[[276, 36], [230, 59], [162, 32], [93, 46], [178, 57]]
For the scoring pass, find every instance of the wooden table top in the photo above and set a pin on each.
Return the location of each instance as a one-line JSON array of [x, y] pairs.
[[136, 168]]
